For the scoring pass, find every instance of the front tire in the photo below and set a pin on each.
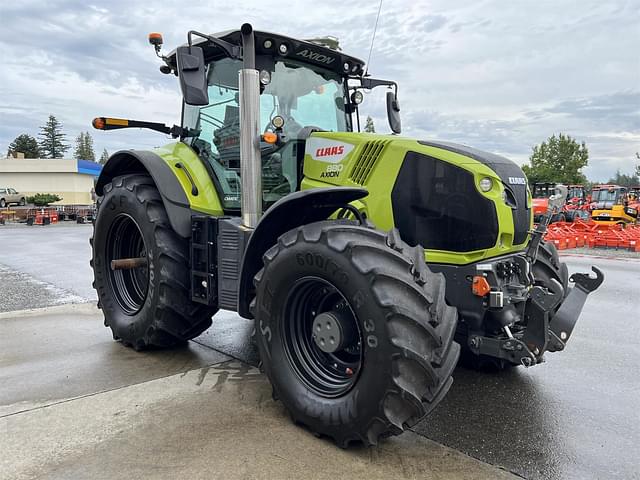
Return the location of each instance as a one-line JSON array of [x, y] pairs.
[[149, 305], [22, 202], [396, 353]]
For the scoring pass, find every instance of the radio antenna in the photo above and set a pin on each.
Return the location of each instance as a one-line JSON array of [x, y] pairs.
[[375, 28]]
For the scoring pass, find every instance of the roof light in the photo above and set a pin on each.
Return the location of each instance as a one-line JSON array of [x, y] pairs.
[[267, 44], [283, 49]]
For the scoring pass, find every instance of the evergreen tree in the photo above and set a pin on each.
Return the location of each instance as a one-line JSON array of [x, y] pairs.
[[52, 140], [78, 153], [368, 126], [84, 147], [104, 157], [88, 147], [25, 144]]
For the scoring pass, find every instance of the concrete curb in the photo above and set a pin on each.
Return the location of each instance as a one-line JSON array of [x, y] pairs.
[[87, 308]]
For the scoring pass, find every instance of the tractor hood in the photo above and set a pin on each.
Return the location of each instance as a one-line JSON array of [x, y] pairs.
[[429, 190]]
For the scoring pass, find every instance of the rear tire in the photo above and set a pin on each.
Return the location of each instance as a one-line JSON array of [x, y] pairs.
[[401, 354], [151, 305]]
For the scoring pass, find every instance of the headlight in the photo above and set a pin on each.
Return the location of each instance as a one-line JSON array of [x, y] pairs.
[[356, 97], [486, 184]]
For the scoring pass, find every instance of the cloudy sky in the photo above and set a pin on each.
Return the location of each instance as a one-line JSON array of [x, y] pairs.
[[499, 75]]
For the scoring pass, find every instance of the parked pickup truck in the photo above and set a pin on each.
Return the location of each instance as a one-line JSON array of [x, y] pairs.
[[9, 196]]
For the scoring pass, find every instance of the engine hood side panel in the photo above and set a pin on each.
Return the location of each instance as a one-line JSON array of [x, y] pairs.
[[374, 162]]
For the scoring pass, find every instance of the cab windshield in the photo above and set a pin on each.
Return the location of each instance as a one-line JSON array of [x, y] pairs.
[[301, 96], [606, 195], [543, 190]]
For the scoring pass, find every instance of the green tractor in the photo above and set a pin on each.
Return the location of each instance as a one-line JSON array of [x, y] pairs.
[[368, 262]]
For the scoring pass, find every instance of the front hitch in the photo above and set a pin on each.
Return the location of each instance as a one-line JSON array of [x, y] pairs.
[[565, 319], [546, 331]]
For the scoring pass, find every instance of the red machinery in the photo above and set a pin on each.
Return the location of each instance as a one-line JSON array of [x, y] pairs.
[[576, 206], [42, 216]]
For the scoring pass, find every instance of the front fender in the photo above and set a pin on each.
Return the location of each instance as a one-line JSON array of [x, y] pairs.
[[294, 210], [173, 195]]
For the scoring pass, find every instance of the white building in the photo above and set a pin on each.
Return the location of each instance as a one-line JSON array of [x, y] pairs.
[[70, 179]]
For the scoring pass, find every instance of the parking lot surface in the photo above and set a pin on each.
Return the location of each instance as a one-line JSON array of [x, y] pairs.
[[576, 416]]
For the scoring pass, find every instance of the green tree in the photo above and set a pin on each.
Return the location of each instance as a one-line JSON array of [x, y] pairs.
[[638, 166], [84, 147], [78, 153], [625, 180], [88, 147], [104, 157], [369, 126], [24, 144], [559, 159], [52, 140]]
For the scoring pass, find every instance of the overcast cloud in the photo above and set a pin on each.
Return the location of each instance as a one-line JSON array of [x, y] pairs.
[[498, 75]]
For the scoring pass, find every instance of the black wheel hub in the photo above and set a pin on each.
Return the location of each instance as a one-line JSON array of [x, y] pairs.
[[129, 286], [322, 339]]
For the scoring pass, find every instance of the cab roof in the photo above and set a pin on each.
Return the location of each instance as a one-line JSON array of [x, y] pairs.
[[280, 47]]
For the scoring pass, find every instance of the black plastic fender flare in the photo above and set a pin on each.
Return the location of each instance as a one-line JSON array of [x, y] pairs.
[[173, 196], [294, 210]]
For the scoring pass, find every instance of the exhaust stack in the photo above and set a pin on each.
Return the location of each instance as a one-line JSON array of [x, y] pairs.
[[250, 159]]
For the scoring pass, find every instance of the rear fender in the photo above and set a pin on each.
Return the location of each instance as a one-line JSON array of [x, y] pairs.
[[294, 210], [173, 195]]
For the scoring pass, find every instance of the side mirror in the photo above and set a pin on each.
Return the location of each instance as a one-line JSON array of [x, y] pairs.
[[393, 112], [193, 80]]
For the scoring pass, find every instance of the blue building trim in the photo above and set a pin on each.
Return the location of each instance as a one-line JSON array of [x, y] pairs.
[[87, 167]]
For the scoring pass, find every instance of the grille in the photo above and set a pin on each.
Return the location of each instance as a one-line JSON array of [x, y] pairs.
[[437, 205], [367, 159]]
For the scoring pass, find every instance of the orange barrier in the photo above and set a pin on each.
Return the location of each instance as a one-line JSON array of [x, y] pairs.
[[579, 233]]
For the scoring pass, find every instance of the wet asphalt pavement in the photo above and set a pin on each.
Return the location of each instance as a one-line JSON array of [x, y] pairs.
[[575, 416]]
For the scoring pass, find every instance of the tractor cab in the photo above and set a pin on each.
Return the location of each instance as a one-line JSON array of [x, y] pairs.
[[541, 192], [305, 87]]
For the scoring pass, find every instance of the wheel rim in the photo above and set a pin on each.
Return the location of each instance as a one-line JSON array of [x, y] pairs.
[[129, 287], [327, 374]]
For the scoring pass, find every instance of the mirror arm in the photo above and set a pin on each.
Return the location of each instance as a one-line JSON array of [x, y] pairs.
[[369, 83], [232, 51]]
